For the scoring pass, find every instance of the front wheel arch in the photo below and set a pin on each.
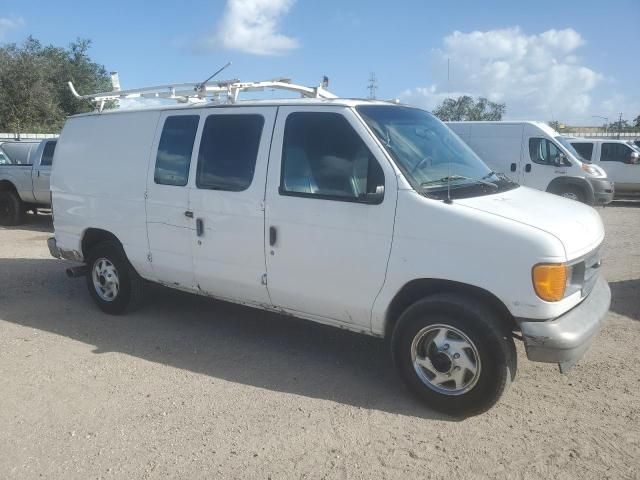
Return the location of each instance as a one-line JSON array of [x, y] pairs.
[[420, 288], [561, 184]]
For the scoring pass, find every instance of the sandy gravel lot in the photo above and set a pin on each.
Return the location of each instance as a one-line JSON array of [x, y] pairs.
[[193, 388]]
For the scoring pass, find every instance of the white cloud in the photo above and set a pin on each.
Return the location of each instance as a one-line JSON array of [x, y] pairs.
[[252, 26], [537, 76], [10, 23]]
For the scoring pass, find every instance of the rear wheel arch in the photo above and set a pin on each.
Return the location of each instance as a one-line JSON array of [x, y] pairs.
[[95, 236], [6, 185], [417, 289]]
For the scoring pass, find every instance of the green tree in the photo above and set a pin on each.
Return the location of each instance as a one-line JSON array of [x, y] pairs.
[[34, 96], [636, 122], [466, 108]]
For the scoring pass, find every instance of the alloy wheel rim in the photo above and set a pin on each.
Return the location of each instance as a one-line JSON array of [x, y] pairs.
[[106, 281], [445, 359]]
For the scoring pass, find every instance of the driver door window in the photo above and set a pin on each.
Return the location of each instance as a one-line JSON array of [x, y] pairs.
[[323, 157], [543, 151], [614, 152]]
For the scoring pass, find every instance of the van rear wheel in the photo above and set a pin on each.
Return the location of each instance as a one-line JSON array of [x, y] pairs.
[[11, 209], [454, 354], [112, 281]]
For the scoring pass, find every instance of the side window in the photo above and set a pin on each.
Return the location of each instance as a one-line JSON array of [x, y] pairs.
[[614, 152], [228, 151], [324, 157], [47, 154], [174, 150], [584, 149], [543, 151]]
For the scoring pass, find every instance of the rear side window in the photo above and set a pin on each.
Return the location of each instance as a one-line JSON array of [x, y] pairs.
[[18, 153], [47, 154], [324, 157], [584, 149], [614, 152], [543, 151], [174, 150], [228, 151]]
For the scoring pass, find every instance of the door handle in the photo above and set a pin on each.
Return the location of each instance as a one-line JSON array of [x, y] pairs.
[[273, 236], [527, 167], [199, 227], [513, 167], [188, 214]]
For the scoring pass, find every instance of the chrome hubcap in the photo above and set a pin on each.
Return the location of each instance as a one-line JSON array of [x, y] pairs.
[[445, 359], [105, 279]]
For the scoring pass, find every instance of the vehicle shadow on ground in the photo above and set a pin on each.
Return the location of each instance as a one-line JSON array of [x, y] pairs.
[[625, 298], [219, 339], [41, 222]]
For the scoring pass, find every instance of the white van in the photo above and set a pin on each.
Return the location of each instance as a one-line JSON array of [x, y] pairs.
[[364, 215], [535, 155], [618, 158]]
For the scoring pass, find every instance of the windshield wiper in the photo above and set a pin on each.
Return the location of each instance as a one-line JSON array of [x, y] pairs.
[[450, 178]]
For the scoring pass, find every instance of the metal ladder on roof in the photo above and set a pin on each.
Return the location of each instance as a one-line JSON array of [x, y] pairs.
[[219, 91]]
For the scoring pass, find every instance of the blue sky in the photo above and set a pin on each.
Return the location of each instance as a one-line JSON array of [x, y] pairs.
[[546, 60]]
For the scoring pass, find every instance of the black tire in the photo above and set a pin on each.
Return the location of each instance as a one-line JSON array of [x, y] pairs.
[[572, 193], [492, 340], [11, 208], [131, 286]]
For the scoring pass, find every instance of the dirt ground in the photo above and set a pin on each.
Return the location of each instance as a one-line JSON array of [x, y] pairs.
[[193, 388]]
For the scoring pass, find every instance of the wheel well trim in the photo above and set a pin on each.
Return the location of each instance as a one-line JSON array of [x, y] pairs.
[[417, 289], [92, 236], [584, 185]]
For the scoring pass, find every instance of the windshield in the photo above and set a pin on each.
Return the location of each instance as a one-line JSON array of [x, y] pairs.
[[566, 144], [430, 155]]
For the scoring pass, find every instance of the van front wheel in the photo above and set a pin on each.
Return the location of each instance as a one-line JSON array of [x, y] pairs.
[[454, 354], [573, 193], [112, 281]]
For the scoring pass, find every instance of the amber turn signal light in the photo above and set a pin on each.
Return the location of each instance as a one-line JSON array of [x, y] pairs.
[[550, 281]]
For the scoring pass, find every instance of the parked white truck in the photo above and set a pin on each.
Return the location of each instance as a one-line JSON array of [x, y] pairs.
[[25, 170], [364, 215], [535, 155], [618, 158]]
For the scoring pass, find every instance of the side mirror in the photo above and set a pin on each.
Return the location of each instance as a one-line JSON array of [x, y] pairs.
[[561, 160], [375, 197], [634, 158]]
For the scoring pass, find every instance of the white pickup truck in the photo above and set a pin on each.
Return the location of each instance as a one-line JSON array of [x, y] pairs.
[[25, 170]]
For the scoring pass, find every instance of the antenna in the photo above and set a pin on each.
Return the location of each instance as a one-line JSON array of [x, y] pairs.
[[201, 87], [372, 86], [448, 200]]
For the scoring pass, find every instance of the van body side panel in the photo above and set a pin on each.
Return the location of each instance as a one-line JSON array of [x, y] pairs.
[[453, 242], [99, 180]]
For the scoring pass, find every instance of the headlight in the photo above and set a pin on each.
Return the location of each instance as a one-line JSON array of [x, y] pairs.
[[591, 170], [555, 281]]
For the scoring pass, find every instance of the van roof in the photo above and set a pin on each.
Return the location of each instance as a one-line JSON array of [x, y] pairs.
[[345, 102]]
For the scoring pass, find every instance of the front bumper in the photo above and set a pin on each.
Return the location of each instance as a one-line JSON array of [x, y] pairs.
[[565, 339], [603, 190]]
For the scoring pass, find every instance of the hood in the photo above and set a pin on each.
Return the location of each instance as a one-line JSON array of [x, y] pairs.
[[576, 225]]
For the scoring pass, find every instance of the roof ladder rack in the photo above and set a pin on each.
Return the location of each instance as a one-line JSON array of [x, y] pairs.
[[225, 91]]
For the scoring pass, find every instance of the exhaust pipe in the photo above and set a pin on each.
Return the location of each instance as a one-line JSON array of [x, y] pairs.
[[75, 272]]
